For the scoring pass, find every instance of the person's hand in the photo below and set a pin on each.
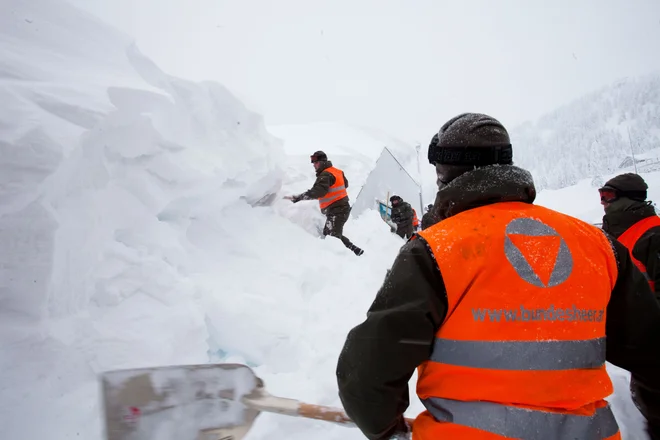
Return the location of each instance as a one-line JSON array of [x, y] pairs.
[[402, 431]]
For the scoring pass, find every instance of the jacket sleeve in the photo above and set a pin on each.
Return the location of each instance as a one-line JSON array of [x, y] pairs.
[[395, 214], [407, 213], [402, 213], [633, 335], [320, 188], [647, 250], [381, 354], [428, 220]]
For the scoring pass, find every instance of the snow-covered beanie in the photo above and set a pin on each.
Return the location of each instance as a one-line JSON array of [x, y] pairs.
[[471, 139]]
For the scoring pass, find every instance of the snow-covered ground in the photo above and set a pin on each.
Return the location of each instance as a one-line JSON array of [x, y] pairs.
[[142, 224]]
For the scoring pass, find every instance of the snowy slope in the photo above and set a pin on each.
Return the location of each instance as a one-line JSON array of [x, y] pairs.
[[593, 134], [142, 224]]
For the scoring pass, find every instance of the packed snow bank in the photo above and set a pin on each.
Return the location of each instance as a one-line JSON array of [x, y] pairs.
[[104, 160], [299, 314]]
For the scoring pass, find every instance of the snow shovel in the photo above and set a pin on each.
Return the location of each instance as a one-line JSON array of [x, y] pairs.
[[195, 402]]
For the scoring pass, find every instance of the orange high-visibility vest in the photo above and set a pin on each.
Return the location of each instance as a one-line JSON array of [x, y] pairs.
[[415, 219], [521, 353], [337, 190], [632, 235]]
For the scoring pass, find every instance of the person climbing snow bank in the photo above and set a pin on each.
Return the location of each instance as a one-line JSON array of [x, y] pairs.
[[330, 190]]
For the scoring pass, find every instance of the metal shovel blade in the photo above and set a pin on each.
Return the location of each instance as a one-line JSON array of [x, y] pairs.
[[193, 402]]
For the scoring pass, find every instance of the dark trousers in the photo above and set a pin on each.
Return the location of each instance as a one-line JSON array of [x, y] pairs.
[[404, 231], [334, 226]]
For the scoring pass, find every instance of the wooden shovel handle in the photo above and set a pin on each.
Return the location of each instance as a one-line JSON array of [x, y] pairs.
[[326, 413], [329, 414]]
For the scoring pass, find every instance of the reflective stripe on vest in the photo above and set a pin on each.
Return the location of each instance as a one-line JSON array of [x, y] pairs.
[[524, 329], [337, 191], [520, 423], [632, 235], [521, 355]]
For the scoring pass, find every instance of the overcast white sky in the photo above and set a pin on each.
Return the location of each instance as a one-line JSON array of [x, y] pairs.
[[405, 66]]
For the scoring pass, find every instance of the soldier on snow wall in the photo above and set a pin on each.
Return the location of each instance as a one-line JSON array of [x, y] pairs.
[[330, 190]]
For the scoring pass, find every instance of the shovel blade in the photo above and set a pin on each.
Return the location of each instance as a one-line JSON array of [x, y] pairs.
[[192, 402]]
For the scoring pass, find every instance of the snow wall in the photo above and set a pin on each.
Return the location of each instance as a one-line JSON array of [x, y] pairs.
[[388, 177]]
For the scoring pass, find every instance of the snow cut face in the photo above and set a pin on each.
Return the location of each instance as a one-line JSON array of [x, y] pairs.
[[105, 163]]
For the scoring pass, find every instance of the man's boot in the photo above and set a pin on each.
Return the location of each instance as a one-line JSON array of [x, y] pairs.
[[357, 250]]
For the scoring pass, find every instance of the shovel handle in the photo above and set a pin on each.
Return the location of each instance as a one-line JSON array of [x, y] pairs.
[[329, 414], [326, 413], [261, 400]]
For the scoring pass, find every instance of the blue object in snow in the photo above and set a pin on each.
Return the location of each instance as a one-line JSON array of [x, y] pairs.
[[384, 210]]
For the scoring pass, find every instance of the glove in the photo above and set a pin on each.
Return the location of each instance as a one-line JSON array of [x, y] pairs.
[[402, 431], [294, 199]]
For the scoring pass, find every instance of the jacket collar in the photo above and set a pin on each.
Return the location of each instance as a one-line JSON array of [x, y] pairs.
[[324, 166], [624, 213], [484, 186]]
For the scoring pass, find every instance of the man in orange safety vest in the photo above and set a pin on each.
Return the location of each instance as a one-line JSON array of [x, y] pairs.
[[504, 308], [633, 221]]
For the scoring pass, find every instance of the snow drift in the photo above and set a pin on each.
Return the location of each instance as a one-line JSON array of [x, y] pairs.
[[105, 165]]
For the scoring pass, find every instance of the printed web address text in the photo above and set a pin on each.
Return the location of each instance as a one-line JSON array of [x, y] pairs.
[[551, 313]]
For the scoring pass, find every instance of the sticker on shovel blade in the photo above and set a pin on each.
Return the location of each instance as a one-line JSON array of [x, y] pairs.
[[132, 415]]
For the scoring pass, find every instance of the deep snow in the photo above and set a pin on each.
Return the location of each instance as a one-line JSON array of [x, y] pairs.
[[142, 224]]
